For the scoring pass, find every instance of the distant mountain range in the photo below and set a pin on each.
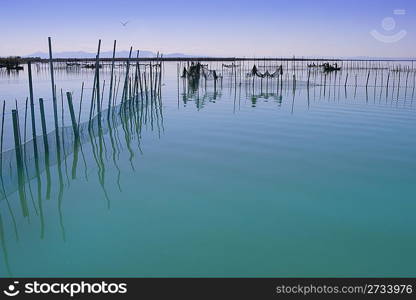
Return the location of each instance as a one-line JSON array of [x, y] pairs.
[[105, 54], [144, 53]]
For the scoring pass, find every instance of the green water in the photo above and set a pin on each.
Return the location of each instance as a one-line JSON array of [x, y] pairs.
[[318, 185]]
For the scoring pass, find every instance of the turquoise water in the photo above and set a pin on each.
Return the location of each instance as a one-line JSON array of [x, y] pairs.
[[233, 183]]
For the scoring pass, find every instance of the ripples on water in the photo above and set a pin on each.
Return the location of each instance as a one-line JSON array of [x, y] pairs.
[[234, 180]]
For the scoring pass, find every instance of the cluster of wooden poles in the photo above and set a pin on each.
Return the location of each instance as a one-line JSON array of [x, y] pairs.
[[376, 74], [393, 80], [141, 90]]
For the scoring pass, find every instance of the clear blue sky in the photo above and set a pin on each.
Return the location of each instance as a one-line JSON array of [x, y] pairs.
[[212, 27]]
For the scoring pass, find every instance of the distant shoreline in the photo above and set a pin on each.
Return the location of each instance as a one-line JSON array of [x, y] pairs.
[[106, 59]]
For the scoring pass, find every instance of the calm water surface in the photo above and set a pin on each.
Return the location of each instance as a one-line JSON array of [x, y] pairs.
[[270, 182]]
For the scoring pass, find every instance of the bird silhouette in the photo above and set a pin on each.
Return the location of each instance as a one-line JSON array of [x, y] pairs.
[[124, 23]]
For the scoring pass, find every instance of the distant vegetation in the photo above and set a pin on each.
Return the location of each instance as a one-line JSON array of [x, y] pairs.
[[14, 62], [11, 62]]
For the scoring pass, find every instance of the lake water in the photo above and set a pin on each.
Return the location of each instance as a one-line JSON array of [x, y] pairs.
[[234, 180]]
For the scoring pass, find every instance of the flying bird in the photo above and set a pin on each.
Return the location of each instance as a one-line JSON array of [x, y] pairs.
[[124, 23]]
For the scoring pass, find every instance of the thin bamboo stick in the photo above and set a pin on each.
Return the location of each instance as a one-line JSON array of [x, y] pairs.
[[55, 108]]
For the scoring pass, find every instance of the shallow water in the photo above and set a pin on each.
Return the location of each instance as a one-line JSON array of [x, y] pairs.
[[270, 182]]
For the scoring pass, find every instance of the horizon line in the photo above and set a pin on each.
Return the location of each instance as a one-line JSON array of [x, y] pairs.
[[220, 58]]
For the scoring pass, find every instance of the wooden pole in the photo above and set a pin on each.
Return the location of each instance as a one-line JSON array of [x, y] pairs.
[[32, 108], [46, 148], [19, 162], [111, 79], [156, 73], [43, 122], [72, 113], [124, 97], [140, 76], [97, 72], [94, 92], [80, 103], [161, 68], [368, 77], [151, 80], [1, 142], [55, 109]]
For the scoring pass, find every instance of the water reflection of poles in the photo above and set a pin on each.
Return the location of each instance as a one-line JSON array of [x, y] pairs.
[[293, 98], [61, 187], [98, 161], [25, 160], [39, 190], [398, 87], [124, 125], [78, 122], [35, 152], [46, 149], [113, 146], [160, 106], [355, 88], [1, 175], [117, 140], [136, 114], [4, 248], [76, 134], [97, 71], [58, 152], [19, 163], [102, 173]]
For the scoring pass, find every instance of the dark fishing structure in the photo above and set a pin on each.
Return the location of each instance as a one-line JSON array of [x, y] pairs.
[[11, 63]]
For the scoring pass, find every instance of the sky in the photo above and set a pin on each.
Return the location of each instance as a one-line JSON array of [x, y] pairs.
[[257, 28]]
